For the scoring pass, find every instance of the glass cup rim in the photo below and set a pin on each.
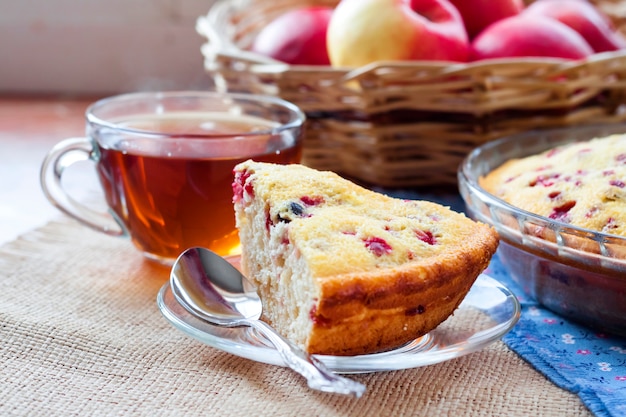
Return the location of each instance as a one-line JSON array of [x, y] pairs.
[[296, 120]]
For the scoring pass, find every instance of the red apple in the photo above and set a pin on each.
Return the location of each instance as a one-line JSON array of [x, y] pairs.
[[365, 31], [478, 14], [527, 35], [585, 19], [297, 37]]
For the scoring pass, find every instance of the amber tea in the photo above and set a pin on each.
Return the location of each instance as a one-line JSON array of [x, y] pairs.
[[178, 195]]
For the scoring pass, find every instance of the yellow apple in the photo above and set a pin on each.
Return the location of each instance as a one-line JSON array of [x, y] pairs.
[[365, 31]]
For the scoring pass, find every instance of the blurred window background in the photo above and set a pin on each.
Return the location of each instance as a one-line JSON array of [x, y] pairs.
[[100, 46]]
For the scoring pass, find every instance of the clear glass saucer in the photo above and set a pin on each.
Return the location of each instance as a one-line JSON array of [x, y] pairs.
[[488, 312]]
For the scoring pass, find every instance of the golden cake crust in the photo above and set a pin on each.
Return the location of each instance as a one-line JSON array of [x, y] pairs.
[[373, 311], [377, 272]]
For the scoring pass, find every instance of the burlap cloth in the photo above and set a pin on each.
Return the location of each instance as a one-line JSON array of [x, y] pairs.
[[81, 335]]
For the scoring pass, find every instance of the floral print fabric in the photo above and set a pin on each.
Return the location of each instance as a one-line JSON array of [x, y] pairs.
[[574, 357]]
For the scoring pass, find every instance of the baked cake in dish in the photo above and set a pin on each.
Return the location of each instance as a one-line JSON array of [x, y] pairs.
[[581, 183], [343, 270]]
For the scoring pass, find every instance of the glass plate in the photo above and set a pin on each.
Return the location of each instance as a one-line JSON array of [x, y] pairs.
[[488, 312]]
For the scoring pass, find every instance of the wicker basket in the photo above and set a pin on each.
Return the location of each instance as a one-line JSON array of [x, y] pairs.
[[409, 124]]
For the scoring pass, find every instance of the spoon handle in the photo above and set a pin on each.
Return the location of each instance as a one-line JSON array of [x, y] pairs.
[[318, 376]]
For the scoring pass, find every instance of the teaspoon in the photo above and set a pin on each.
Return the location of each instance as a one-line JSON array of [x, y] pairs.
[[212, 289]]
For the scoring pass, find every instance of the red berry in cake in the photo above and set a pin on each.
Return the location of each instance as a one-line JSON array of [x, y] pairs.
[[560, 212], [240, 185], [611, 224], [377, 246], [312, 201], [554, 195], [617, 183], [268, 219], [425, 236], [592, 211], [545, 180]]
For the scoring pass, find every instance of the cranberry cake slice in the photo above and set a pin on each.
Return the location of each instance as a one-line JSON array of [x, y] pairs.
[[343, 270]]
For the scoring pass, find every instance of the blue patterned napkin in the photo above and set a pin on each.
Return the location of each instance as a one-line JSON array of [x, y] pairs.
[[575, 358]]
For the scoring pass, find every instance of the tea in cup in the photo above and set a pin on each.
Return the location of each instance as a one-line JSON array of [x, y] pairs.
[[165, 162]]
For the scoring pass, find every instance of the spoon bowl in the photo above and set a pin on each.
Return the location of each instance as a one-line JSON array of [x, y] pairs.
[[212, 289], [208, 286]]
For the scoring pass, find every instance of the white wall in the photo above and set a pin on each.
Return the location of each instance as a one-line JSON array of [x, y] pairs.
[[96, 46]]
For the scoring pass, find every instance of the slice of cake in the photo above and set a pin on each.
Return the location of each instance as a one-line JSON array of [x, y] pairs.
[[343, 270]]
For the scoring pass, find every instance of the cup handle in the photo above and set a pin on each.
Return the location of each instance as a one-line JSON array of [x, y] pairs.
[[61, 156]]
